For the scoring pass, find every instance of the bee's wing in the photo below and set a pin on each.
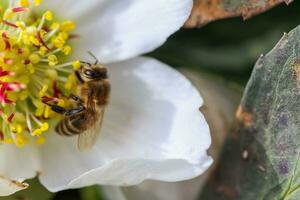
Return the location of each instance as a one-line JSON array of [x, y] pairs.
[[87, 139]]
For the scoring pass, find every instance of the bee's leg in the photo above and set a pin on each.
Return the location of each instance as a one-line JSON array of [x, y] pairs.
[[74, 111], [66, 112], [76, 98], [56, 108]]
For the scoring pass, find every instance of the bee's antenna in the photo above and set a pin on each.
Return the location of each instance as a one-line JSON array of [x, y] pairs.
[[91, 54]]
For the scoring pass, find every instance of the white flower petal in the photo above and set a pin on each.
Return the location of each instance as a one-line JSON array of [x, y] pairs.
[[16, 165], [116, 30], [19, 163], [8, 187], [220, 103], [152, 130]]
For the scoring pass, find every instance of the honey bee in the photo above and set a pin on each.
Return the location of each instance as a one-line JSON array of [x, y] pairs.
[[86, 118]]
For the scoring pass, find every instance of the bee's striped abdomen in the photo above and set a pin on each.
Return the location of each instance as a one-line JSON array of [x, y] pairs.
[[66, 128]]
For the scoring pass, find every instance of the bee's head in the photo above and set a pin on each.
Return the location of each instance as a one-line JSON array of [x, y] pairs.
[[92, 72]]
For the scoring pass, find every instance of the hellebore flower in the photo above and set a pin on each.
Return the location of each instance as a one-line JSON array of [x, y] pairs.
[[152, 127]]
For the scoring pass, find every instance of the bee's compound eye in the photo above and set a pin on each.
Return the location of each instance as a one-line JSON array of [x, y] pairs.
[[89, 73]]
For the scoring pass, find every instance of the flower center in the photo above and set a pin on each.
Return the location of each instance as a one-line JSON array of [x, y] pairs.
[[32, 48]]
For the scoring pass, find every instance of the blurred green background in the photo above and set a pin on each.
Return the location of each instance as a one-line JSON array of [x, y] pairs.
[[228, 48]]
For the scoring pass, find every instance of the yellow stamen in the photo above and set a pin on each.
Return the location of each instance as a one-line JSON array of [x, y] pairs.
[[52, 59], [67, 26], [47, 112], [71, 82], [34, 58], [39, 110], [21, 141], [37, 2], [24, 3], [54, 25], [45, 126], [21, 25], [37, 132], [59, 41], [48, 15], [33, 50], [34, 40], [43, 51], [67, 50], [16, 128], [51, 73], [42, 33], [76, 65], [43, 90]]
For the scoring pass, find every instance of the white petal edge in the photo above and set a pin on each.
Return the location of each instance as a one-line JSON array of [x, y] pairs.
[[8, 187], [152, 130], [117, 30]]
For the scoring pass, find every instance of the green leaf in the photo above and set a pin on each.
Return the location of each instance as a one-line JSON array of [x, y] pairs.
[[261, 159], [90, 193]]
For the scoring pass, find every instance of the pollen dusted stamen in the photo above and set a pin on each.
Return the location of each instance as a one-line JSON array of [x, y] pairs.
[[31, 71]]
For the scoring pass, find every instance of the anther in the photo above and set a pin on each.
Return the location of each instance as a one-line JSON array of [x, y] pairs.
[[19, 9], [10, 118], [5, 39]]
